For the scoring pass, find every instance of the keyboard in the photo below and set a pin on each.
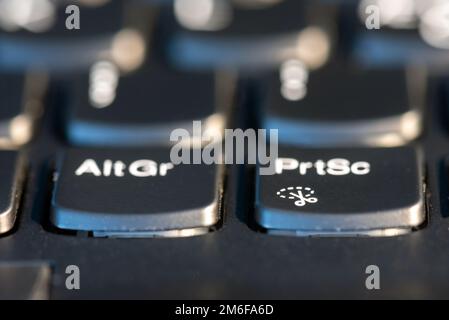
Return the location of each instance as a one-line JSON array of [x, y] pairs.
[[227, 149]]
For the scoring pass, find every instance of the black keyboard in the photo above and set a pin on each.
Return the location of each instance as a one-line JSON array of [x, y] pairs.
[[228, 149]]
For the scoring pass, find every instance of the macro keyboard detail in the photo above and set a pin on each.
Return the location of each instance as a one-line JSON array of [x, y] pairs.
[[99, 98]]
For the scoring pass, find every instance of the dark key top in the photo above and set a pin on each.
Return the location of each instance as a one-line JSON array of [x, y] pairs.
[[408, 32], [144, 107], [344, 106], [134, 193], [21, 99], [25, 280], [255, 4], [12, 173], [237, 36], [158, 2], [241, 3], [113, 30], [372, 192]]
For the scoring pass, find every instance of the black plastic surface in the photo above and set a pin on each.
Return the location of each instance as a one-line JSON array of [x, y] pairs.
[[236, 261]]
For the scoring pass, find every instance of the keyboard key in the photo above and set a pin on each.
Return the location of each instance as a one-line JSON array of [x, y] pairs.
[[412, 31], [344, 106], [249, 39], [12, 173], [25, 280], [144, 107], [158, 2], [134, 193], [338, 192], [255, 4], [241, 3], [407, 14], [20, 104], [43, 40]]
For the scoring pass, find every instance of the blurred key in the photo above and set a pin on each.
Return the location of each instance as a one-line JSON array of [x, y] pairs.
[[41, 34], [255, 4], [157, 2], [250, 4], [21, 98], [341, 192], [403, 32], [144, 107], [12, 173], [344, 106], [135, 193], [215, 33], [402, 14], [91, 3]]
